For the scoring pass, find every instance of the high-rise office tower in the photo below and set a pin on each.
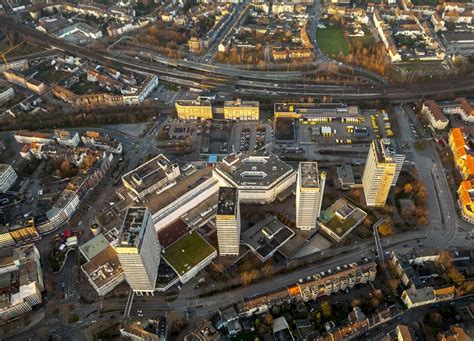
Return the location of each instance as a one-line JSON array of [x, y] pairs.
[[309, 195], [381, 172], [228, 221], [138, 250]]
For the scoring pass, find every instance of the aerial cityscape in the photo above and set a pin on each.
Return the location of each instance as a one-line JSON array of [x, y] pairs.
[[248, 170]]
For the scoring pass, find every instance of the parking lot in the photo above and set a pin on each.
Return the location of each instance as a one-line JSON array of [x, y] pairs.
[[215, 138], [376, 124], [250, 136]]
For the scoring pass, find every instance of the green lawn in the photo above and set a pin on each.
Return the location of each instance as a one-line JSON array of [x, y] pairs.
[[332, 41], [188, 252], [340, 227], [367, 40]]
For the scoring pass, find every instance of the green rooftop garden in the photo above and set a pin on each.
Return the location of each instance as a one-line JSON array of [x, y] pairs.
[[188, 252]]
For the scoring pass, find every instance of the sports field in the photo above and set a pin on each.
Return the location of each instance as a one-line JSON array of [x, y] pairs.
[[331, 41]]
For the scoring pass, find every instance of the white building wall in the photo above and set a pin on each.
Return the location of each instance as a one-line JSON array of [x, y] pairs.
[[7, 178]]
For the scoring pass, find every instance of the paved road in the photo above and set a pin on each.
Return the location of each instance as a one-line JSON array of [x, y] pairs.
[[445, 224], [409, 316]]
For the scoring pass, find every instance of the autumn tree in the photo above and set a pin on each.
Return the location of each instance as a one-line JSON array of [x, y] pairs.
[[386, 228], [408, 188], [268, 319], [445, 259], [326, 310]]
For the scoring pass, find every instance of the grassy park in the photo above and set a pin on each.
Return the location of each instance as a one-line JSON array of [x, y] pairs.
[[332, 41]]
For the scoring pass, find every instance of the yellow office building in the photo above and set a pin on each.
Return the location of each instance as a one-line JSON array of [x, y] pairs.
[[193, 110], [239, 110], [380, 173]]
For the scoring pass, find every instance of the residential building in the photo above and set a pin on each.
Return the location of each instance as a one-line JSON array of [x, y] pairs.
[[319, 285], [66, 138], [403, 333], [329, 283], [455, 333], [462, 107], [228, 222], [6, 93], [435, 115], [138, 250], [25, 80], [357, 325], [195, 45], [145, 330], [309, 195], [205, 331], [7, 177], [259, 177], [102, 141], [281, 330], [25, 136], [239, 110], [22, 282], [62, 211], [193, 109], [380, 173], [155, 175], [413, 297], [463, 160], [466, 199]]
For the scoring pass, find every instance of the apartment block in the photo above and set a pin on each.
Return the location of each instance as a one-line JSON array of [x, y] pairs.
[[323, 284], [435, 115], [309, 195], [463, 159], [102, 141]]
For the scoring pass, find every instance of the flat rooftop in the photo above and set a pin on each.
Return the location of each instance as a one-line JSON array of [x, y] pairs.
[[309, 174], [173, 232], [341, 217], [194, 103], [239, 103], [36, 134], [133, 227], [3, 167], [317, 108], [380, 151], [188, 252], [104, 267], [148, 174], [94, 246], [267, 236], [64, 199], [254, 169], [227, 201]]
